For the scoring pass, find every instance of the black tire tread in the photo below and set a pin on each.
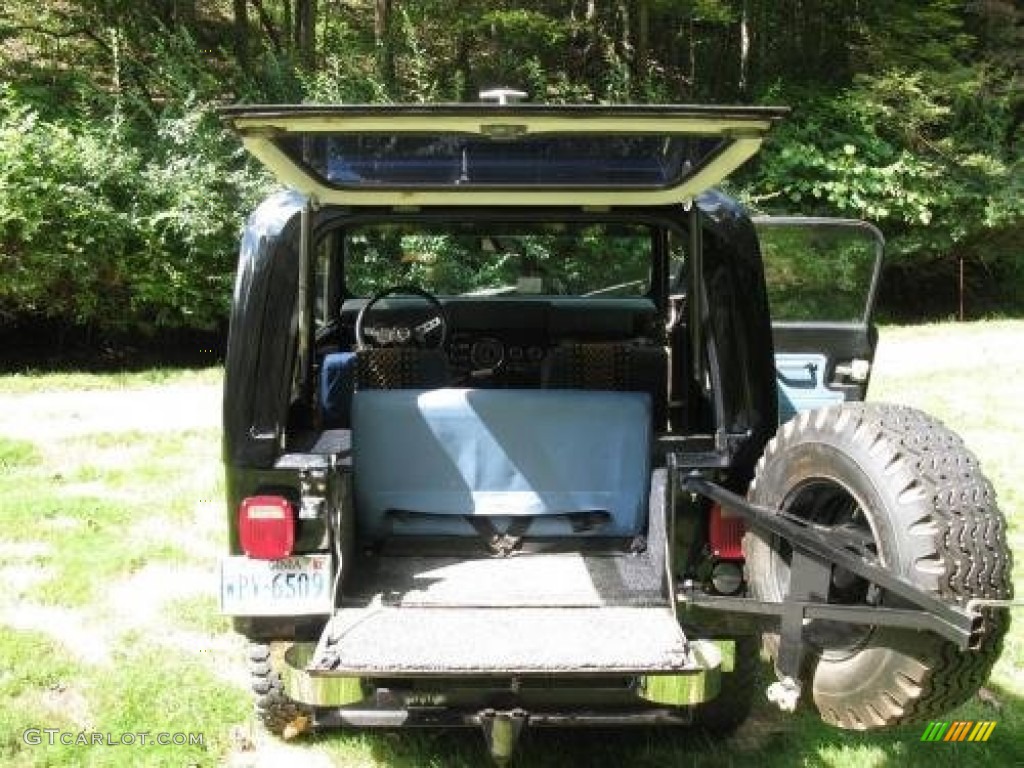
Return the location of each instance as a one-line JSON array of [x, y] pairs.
[[272, 706]]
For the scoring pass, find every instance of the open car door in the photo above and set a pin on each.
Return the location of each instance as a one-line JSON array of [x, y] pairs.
[[822, 277]]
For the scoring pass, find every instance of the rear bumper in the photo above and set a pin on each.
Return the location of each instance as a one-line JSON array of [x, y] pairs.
[[645, 698], [451, 717]]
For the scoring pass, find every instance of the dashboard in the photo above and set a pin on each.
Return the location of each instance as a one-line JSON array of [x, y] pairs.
[[510, 358], [502, 342]]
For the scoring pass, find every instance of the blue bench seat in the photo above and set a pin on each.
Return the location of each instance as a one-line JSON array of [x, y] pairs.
[[426, 462]]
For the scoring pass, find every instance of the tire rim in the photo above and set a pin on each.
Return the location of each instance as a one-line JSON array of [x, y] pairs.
[[833, 509]]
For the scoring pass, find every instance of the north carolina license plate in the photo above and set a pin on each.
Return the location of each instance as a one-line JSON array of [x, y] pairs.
[[299, 585]]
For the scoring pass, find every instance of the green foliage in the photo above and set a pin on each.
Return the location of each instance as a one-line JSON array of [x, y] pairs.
[[121, 197], [94, 231], [67, 217], [457, 259], [917, 35], [193, 185], [839, 160], [903, 150]]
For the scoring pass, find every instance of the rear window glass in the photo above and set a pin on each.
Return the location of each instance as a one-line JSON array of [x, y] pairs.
[[449, 160], [505, 259]]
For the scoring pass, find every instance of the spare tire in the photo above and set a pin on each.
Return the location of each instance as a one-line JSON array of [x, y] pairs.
[[897, 485]]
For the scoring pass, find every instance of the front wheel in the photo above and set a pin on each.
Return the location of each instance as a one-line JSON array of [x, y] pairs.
[[900, 488]]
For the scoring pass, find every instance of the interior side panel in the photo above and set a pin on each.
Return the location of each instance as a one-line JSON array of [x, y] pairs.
[[816, 364]]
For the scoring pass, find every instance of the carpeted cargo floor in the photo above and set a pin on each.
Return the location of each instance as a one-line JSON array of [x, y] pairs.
[[384, 640], [523, 580]]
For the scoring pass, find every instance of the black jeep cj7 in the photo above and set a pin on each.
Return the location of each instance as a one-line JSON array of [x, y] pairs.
[[503, 447]]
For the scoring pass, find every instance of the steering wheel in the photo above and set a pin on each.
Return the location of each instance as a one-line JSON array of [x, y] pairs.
[[404, 335]]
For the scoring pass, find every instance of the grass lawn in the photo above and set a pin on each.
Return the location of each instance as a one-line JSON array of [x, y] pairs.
[[111, 524]]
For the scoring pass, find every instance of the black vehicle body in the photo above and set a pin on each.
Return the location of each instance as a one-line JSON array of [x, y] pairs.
[[706, 368], [262, 347]]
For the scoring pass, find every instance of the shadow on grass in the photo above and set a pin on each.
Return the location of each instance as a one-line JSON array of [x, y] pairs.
[[52, 346], [768, 739]]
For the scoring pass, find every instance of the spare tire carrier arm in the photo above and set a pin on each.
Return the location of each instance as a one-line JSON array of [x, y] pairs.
[[813, 556]]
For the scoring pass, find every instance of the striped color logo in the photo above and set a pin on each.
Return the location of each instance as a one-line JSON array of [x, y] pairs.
[[959, 730]]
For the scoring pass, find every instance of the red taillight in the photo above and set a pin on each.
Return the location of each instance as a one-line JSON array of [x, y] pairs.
[[266, 527], [725, 534]]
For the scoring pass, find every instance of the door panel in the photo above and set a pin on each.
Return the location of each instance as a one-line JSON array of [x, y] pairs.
[[816, 364]]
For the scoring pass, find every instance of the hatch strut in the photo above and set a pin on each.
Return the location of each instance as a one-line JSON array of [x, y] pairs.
[[696, 293], [305, 297]]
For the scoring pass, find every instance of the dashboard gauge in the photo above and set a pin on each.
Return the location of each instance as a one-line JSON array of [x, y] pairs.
[[487, 353]]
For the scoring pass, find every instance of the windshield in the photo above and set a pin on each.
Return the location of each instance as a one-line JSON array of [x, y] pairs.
[[500, 259]]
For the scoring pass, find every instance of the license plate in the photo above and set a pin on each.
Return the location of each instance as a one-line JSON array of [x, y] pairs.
[[294, 586]]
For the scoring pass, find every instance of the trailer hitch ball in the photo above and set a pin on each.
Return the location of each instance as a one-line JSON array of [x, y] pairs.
[[785, 694], [502, 730]]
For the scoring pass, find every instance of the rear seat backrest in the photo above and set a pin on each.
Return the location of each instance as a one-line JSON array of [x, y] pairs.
[[425, 461]]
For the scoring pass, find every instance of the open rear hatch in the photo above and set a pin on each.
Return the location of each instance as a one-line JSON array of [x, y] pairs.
[[473, 154]]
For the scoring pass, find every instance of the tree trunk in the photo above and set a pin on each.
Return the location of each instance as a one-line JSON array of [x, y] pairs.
[[691, 45], [643, 40], [761, 36], [268, 25], [241, 33], [384, 41], [287, 25], [625, 37], [163, 10], [305, 19], [744, 47], [185, 13], [626, 51]]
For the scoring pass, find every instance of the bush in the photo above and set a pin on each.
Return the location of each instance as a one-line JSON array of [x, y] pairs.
[[68, 218], [101, 229], [197, 188], [899, 149]]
